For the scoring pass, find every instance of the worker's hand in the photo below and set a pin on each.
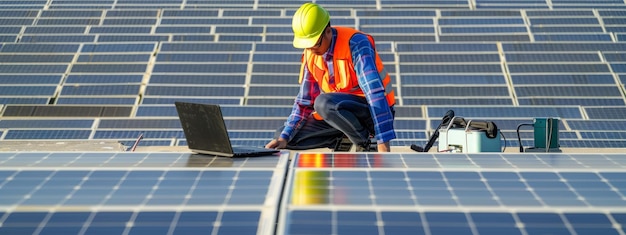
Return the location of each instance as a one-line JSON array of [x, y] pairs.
[[279, 143], [384, 147]]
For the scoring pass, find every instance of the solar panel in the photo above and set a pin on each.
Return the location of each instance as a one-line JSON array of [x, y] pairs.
[[99, 90], [504, 111], [207, 47], [451, 68], [457, 101], [38, 48], [58, 38], [103, 78], [584, 91], [24, 100], [130, 134], [27, 90], [194, 193], [120, 29], [63, 123], [616, 113], [30, 79], [437, 79], [489, 29], [204, 21], [429, 58], [67, 111], [595, 101], [55, 30], [454, 91], [114, 58], [97, 100], [68, 21], [574, 37], [484, 38], [44, 134], [129, 21], [118, 47], [598, 125], [135, 13], [70, 13], [426, 194], [563, 79], [109, 68], [447, 47]]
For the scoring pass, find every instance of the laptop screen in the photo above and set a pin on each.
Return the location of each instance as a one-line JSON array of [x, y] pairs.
[[204, 127]]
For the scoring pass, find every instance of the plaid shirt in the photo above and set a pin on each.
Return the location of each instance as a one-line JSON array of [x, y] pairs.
[[363, 57]]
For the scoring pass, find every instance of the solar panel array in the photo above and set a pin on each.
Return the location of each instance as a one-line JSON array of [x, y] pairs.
[[111, 70], [314, 193]]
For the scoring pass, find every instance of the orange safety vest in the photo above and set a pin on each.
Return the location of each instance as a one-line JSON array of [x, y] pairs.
[[346, 80]]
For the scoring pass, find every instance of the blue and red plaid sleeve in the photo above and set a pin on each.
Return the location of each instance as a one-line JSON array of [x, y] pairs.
[[363, 57]]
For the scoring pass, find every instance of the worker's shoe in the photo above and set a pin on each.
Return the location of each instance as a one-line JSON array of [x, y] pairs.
[[366, 147], [343, 144]]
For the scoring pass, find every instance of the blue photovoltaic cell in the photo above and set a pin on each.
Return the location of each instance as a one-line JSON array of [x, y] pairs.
[[449, 58], [55, 38], [451, 79], [24, 100], [617, 113], [559, 68], [119, 30], [46, 123], [564, 21], [194, 91], [455, 91], [519, 112], [33, 68], [206, 47], [573, 78], [132, 38], [479, 21], [96, 90], [445, 68], [27, 90], [552, 57], [24, 58], [183, 29], [477, 30], [595, 101], [582, 91], [200, 68], [569, 47], [169, 57], [135, 133], [171, 100], [103, 78], [573, 37], [30, 79], [138, 47], [91, 100], [114, 58], [47, 134], [109, 68], [442, 47]]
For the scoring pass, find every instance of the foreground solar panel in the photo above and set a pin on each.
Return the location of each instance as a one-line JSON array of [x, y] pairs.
[[455, 194], [138, 193]]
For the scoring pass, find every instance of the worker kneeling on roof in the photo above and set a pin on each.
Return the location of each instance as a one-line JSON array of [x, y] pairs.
[[344, 91]]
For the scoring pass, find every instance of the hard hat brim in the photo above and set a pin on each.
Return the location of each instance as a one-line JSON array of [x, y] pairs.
[[306, 42]]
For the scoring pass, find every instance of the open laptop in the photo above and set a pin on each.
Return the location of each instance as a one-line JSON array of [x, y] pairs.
[[205, 131]]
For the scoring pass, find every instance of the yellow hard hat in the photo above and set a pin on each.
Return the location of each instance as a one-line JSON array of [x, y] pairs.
[[308, 24]]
